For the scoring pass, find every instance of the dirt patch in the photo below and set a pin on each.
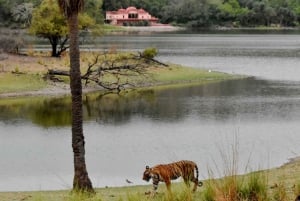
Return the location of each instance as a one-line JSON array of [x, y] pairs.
[[23, 64], [30, 64]]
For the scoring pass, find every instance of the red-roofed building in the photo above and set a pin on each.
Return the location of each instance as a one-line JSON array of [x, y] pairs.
[[129, 15]]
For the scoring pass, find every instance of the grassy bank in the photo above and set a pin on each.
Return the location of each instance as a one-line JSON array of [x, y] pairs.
[[12, 82], [24, 75]]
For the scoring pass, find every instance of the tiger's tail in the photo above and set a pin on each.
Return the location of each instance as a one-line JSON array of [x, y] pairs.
[[200, 183]]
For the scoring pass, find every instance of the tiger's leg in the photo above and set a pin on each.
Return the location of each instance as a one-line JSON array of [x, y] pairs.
[[187, 181], [196, 183], [155, 180], [168, 184]]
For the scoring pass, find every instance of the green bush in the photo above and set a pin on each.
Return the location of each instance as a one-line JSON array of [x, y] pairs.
[[149, 53]]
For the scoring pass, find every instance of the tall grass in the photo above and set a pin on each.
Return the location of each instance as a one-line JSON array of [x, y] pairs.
[[254, 187], [232, 187]]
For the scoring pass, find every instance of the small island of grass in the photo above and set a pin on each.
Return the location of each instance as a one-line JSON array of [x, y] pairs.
[[27, 75]]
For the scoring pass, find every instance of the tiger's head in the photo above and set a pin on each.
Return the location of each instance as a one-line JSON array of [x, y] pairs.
[[147, 174]]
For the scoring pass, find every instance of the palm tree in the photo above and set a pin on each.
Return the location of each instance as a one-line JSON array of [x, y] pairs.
[[81, 181]]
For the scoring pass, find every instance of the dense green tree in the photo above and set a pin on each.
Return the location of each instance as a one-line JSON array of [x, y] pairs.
[[269, 14], [47, 22], [286, 16], [94, 9], [294, 5], [195, 13], [81, 179], [232, 11]]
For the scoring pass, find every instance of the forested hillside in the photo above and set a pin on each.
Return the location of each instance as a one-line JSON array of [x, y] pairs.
[[194, 13], [199, 13]]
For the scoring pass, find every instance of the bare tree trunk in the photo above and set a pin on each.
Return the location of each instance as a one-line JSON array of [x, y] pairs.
[[81, 179]]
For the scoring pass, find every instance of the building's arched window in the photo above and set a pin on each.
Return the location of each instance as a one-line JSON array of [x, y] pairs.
[[133, 15]]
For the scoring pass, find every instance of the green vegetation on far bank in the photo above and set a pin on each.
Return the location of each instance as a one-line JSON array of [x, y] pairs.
[[193, 13]]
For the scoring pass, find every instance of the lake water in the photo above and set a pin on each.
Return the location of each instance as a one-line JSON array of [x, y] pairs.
[[255, 120]]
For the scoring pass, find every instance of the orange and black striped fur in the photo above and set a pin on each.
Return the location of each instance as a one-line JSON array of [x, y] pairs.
[[188, 170]]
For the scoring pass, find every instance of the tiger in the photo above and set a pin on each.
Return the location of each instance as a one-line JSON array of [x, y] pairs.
[[167, 172]]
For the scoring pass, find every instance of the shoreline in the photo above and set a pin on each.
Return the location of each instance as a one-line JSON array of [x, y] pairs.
[[171, 28], [63, 89], [53, 90], [157, 28]]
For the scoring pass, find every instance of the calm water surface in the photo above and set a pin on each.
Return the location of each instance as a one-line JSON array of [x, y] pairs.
[[271, 56], [259, 115]]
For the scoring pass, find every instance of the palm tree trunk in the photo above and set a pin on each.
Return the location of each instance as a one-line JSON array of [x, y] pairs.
[[81, 179]]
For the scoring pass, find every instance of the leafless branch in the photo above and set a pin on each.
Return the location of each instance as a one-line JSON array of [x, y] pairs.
[[112, 74]]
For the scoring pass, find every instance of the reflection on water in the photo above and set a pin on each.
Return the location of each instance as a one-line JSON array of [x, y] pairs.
[[45, 112], [249, 99]]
